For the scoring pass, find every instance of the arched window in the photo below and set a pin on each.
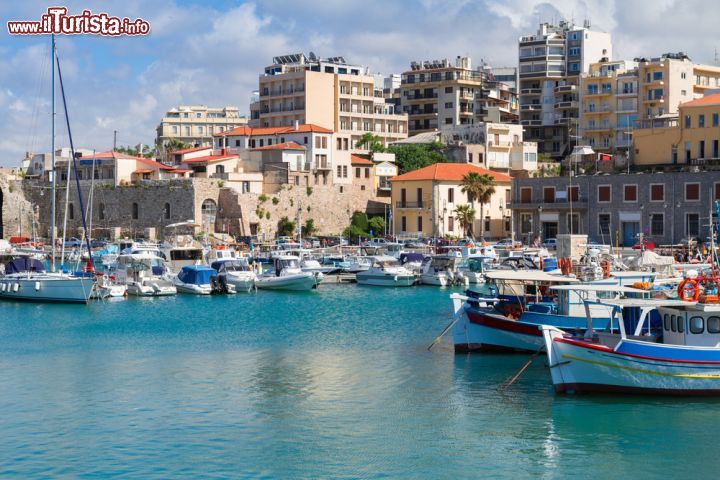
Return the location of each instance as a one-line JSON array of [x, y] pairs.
[[167, 211], [220, 169], [135, 211], [101, 211], [71, 211], [209, 210]]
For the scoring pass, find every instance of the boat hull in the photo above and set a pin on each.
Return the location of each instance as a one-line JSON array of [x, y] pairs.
[[299, 282], [385, 280], [46, 289], [487, 332], [153, 289], [581, 367]]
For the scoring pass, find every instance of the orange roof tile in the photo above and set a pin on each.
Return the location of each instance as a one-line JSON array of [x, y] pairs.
[[208, 158], [712, 99], [246, 131], [144, 170], [190, 150], [358, 160], [282, 146], [449, 172]]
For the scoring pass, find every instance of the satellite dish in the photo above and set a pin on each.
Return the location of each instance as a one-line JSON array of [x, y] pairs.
[[311, 56]]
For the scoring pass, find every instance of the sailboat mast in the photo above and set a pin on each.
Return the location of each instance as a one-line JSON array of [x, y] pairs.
[[52, 161]]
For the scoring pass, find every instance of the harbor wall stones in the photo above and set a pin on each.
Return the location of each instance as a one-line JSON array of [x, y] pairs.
[[146, 208]]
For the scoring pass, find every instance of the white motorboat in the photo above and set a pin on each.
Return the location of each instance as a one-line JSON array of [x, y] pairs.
[[107, 288], [386, 271], [238, 272], [25, 279], [287, 275], [474, 268], [441, 271], [144, 275], [201, 280], [356, 263]]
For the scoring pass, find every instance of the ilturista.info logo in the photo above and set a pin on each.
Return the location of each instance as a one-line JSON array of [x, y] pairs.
[[56, 20]]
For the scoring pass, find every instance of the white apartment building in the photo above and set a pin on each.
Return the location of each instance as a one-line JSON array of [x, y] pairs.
[[551, 63], [196, 124]]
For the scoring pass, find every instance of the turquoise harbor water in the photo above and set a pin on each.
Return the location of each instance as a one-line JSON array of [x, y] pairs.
[[330, 384]]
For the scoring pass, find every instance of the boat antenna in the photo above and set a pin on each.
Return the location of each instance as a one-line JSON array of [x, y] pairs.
[[52, 161], [74, 160]]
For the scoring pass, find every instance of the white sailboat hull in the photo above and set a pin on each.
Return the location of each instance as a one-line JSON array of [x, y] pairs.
[[297, 282], [48, 287]]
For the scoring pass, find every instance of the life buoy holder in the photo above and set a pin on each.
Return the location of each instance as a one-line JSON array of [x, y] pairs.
[[683, 290]]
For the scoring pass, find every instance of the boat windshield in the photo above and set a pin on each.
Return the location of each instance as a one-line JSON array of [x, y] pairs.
[[186, 254], [387, 263], [235, 266]]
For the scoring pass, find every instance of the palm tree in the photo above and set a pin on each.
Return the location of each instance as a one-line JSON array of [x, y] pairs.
[[465, 215], [479, 188]]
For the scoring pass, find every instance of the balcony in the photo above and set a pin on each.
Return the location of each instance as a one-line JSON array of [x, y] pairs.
[[654, 100], [420, 96], [531, 123], [598, 128], [531, 107], [566, 105], [626, 93], [402, 204], [597, 110], [566, 89], [467, 95], [655, 83], [500, 145], [531, 91], [565, 120], [581, 203], [598, 93]]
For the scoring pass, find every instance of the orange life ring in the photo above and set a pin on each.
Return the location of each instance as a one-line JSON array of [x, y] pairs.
[[565, 265], [682, 292]]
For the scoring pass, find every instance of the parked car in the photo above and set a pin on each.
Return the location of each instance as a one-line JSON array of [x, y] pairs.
[[376, 242], [549, 243], [97, 243], [507, 243], [72, 242]]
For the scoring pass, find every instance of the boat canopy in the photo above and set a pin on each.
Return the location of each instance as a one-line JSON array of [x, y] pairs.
[[196, 274], [528, 276], [411, 257], [24, 264], [231, 265]]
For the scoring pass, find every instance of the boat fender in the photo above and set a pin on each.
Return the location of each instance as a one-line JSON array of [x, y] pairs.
[[37, 286], [155, 287], [395, 278], [16, 287], [2, 287], [683, 292]]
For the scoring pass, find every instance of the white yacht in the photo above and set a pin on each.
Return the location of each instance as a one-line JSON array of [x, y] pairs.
[[25, 279], [286, 274], [441, 271], [237, 272], [144, 274], [356, 263], [474, 268], [386, 271]]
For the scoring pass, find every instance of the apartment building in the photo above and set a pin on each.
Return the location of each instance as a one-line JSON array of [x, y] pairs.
[[609, 105], [196, 124], [328, 92], [667, 81], [550, 65], [691, 138], [496, 146], [424, 202], [665, 207], [439, 93]]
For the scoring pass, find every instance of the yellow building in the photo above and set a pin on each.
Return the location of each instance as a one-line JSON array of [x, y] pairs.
[[196, 124], [609, 105], [424, 202], [689, 139], [326, 92]]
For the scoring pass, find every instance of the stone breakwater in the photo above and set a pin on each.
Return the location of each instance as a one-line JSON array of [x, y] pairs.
[[146, 208]]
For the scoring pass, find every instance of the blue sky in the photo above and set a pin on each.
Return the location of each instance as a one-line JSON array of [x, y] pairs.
[[211, 52]]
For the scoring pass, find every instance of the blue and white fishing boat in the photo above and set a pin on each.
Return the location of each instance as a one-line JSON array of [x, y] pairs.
[[679, 356], [509, 320], [201, 280]]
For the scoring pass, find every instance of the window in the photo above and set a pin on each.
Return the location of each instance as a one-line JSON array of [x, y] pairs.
[[345, 173], [692, 224], [419, 224], [657, 193], [469, 157], [167, 211], [573, 222], [448, 121], [657, 224], [71, 211], [713, 325], [604, 193], [680, 324], [666, 322], [604, 223], [573, 193], [487, 224], [692, 192], [697, 325], [451, 224], [209, 210], [701, 121], [135, 212], [318, 142], [716, 120], [197, 115], [448, 104], [549, 194], [673, 323], [526, 195], [630, 193], [187, 131], [262, 142], [357, 172], [237, 143], [101, 211], [367, 173], [175, 129], [451, 195], [305, 140], [448, 89], [403, 224], [339, 171], [687, 121]]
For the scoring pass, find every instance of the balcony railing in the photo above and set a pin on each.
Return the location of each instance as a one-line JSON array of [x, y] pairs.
[[557, 204], [402, 204]]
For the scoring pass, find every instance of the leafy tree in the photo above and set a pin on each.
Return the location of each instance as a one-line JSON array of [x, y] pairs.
[[309, 229], [377, 225], [360, 220], [412, 157], [370, 142], [465, 215], [353, 231], [285, 227]]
